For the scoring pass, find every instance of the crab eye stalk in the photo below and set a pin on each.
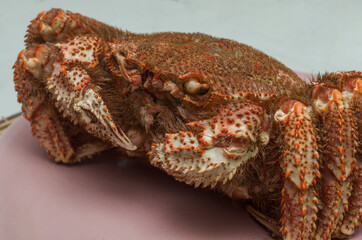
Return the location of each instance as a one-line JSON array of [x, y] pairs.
[[195, 87]]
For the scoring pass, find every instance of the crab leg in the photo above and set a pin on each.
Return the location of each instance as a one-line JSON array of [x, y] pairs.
[[338, 157], [353, 215], [300, 164], [36, 107], [216, 149], [352, 91], [56, 25], [45, 119]]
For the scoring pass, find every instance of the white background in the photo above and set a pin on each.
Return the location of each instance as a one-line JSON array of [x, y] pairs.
[[310, 36]]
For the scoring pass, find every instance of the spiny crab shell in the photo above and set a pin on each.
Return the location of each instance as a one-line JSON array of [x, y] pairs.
[[210, 112]]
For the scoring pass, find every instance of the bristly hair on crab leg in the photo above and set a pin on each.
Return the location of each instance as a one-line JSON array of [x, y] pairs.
[[339, 157], [300, 165], [351, 86]]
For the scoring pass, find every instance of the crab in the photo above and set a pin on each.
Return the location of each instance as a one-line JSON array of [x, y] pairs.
[[209, 112]]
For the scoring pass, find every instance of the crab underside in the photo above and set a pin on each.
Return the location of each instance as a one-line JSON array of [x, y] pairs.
[[210, 112]]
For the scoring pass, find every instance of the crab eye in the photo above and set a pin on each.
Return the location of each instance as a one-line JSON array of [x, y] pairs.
[[203, 89], [193, 86]]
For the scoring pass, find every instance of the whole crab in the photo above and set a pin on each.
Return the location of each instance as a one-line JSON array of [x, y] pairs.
[[210, 112]]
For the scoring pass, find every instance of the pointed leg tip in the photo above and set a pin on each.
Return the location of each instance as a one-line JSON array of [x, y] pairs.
[[270, 223]]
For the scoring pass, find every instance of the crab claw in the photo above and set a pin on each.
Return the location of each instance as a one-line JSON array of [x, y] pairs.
[[93, 113], [216, 149], [77, 98], [72, 89]]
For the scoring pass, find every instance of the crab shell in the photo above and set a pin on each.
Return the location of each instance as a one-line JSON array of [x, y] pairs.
[[210, 112]]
